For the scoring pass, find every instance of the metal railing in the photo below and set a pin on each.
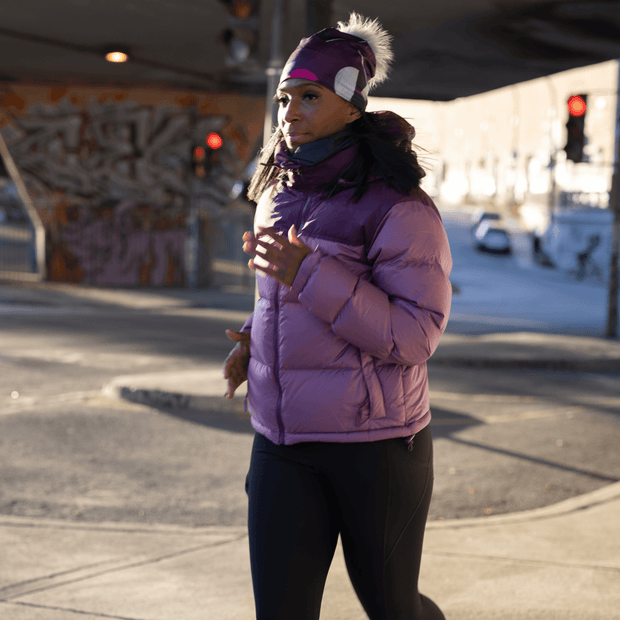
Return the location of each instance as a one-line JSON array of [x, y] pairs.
[[579, 200], [22, 234]]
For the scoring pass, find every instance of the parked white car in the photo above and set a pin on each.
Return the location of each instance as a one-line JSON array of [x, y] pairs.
[[490, 237], [480, 215]]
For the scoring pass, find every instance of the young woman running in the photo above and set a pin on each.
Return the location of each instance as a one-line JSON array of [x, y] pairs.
[[352, 266]]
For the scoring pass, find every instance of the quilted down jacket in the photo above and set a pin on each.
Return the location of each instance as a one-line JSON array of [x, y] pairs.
[[341, 355]]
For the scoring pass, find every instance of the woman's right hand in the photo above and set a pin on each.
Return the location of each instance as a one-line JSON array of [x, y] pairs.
[[237, 362]]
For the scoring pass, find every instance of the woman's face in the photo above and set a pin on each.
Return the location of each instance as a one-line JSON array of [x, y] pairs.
[[308, 111]]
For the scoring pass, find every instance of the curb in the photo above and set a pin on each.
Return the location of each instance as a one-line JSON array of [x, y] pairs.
[[604, 495], [239, 531], [538, 364], [176, 401]]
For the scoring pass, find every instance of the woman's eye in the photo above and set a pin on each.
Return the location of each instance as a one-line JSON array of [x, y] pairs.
[[283, 100]]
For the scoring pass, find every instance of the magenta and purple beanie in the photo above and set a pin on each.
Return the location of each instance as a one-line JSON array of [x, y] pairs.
[[349, 60]]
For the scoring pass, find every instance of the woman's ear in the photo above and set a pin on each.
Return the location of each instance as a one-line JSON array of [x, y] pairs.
[[354, 113]]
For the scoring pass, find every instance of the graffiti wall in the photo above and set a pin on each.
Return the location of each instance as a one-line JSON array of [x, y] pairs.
[[109, 173]]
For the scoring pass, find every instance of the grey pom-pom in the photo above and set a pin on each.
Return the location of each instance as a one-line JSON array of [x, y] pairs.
[[377, 37]]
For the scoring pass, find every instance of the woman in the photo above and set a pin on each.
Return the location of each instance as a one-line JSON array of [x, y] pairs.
[[353, 266]]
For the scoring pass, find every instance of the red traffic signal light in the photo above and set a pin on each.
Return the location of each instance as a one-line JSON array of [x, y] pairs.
[[205, 154], [214, 140], [575, 128], [199, 155], [577, 105]]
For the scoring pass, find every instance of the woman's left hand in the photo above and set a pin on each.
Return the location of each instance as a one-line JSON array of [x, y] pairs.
[[280, 257]]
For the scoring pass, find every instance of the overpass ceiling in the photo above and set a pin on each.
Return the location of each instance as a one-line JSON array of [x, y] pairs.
[[443, 49]]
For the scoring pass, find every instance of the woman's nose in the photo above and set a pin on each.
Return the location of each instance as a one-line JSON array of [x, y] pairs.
[[291, 112]]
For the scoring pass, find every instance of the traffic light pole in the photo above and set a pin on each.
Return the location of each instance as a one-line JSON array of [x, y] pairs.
[[614, 196], [274, 68], [273, 71], [193, 238]]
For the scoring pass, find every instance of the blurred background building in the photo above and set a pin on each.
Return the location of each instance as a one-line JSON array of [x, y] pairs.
[[504, 151]]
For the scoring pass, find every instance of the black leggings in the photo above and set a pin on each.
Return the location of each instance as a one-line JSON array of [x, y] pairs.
[[375, 495]]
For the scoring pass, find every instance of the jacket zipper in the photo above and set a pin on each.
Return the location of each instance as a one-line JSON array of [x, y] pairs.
[[277, 367], [276, 332]]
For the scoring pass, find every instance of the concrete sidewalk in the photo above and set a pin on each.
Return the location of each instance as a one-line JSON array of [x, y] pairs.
[[557, 563], [62, 295]]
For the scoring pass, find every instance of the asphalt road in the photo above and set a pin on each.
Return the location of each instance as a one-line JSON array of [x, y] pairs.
[[504, 293], [505, 440]]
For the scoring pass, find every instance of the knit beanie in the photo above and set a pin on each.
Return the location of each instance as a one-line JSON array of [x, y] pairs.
[[349, 60]]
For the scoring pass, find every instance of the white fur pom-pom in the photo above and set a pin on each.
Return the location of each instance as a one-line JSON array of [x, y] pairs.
[[379, 40]]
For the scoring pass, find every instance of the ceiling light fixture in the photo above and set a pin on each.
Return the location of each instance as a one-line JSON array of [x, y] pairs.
[[116, 54]]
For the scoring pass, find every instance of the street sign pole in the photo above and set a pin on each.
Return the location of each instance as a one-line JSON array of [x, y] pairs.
[[614, 195]]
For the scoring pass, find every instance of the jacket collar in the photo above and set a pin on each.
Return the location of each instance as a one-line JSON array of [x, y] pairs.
[[316, 163]]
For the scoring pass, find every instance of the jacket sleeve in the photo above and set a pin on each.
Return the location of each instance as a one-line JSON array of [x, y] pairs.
[[401, 313], [247, 326]]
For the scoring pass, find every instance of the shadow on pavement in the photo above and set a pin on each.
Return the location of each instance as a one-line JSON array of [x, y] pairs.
[[214, 418], [538, 461], [444, 422]]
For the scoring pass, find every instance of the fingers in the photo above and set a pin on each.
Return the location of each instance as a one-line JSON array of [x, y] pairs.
[[231, 389], [238, 336], [233, 383], [268, 252], [268, 249], [280, 258], [236, 364], [292, 235], [274, 270]]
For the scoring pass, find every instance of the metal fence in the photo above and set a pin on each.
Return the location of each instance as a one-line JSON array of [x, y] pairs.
[[580, 200], [229, 261]]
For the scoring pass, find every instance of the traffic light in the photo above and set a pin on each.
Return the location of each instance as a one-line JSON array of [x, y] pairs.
[[241, 34], [199, 157], [205, 154], [214, 141], [575, 135]]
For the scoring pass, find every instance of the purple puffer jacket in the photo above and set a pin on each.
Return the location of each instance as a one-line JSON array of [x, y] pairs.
[[341, 355]]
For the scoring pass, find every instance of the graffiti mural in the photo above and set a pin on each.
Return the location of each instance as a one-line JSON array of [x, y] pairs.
[[119, 242], [110, 150], [111, 181]]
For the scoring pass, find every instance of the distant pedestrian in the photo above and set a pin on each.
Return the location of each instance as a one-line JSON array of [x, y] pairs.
[[353, 264]]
